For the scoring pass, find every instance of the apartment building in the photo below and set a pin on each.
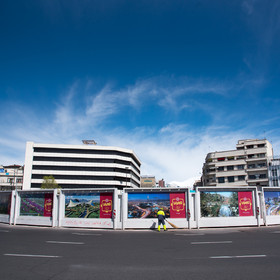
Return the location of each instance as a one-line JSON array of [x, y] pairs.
[[247, 165], [274, 172], [11, 177], [81, 166]]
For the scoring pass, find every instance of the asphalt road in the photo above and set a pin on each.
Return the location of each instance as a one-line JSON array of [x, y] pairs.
[[47, 253]]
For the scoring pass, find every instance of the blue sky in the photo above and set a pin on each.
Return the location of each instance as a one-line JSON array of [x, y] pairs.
[[171, 80]]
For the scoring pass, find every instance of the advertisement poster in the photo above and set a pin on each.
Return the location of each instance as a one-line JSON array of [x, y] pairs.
[[106, 205], [177, 205], [226, 204], [245, 203], [272, 203], [146, 205], [48, 205], [88, 205], [5, 203], [36, 204]]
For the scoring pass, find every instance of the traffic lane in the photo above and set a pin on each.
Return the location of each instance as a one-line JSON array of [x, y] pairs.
[[240, 244]]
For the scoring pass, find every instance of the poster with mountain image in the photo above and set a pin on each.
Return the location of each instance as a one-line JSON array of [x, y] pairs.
[[85, 205]]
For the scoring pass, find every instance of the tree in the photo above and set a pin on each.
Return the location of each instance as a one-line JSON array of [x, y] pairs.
[[49, 183]]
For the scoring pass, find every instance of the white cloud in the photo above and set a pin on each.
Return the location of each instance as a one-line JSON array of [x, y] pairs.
[[174, 159], [173, 152]]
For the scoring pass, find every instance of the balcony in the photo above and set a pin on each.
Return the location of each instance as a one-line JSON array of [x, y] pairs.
[[257, 178]]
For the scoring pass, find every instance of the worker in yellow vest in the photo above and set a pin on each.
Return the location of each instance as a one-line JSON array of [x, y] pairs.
[[161, 219]]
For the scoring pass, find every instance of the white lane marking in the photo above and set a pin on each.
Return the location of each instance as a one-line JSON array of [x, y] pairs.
[[3, 230], [276, 232], [94, 234], [211, 242], [64, 242], [33, 256], [236, 257], [189, 234]]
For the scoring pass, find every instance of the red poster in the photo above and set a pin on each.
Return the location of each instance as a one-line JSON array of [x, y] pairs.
[[106, 205], [245, 204], [48, 205], [177, 205]]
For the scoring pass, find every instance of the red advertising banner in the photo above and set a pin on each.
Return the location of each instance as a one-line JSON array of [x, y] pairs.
[[48, 204], [245, 204], [177, 205], [106, 205]]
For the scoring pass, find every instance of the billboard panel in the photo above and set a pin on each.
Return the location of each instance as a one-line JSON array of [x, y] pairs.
[[272, 203], [146, 205], [88, 205], [5, 203], [226, 204], [36, 204]]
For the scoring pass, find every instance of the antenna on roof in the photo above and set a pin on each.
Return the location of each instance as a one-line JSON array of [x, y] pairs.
[[89, 142]]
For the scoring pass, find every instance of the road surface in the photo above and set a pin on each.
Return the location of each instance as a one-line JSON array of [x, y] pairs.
[[72, 254]]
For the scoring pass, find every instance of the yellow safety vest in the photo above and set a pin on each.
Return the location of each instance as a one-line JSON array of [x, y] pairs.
[[160, 212]]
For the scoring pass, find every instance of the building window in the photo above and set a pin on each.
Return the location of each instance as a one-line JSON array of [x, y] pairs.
[[221, 180], [240, 167], [257, 176], [220, 168], [250, 146], [260, 165], [261, 155], [241, 178], [252, 156], [240, 157], [261, 145], [275, 183], [231, 179], [274, 172], [230, 158], [230, 167], [250, 166], [221, 159], [211, 169]]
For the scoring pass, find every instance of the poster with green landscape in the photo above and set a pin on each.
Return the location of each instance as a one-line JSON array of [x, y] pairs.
[[32, 204], [219, 204]]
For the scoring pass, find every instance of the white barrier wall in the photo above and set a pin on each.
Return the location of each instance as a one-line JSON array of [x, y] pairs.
[[224, 207], [139, 207], [90, 208], [270, 198], [36, 207]]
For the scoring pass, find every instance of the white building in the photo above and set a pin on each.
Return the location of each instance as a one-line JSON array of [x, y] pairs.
[[11, 177], [81, 166], [245, 166]]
